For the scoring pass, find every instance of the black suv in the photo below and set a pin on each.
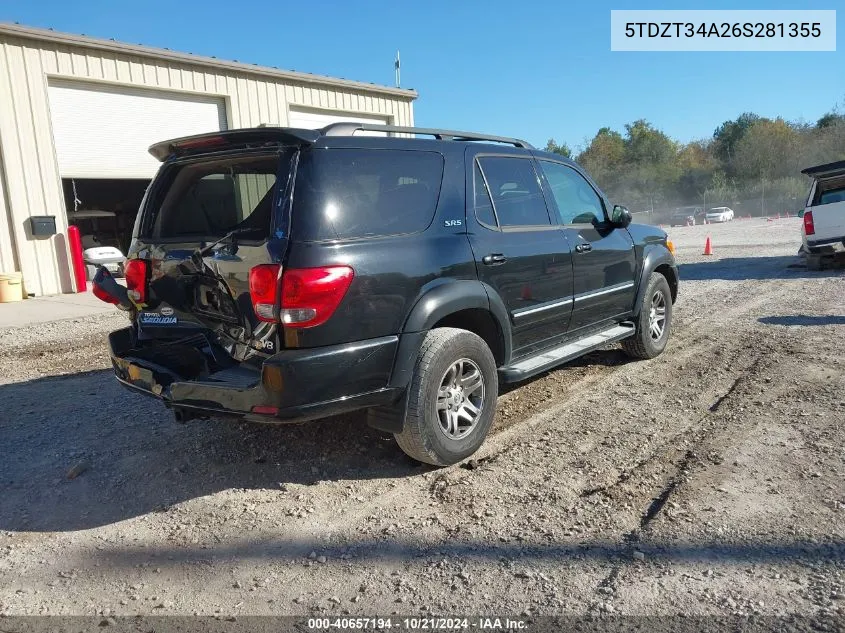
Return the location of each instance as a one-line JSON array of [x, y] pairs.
[[280, 274], [684, 216]]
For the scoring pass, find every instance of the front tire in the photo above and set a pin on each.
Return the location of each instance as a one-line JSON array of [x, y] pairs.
[[452, 398], [653, 322]]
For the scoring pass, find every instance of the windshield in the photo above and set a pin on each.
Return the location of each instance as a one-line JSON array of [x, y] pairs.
[[206, 199]]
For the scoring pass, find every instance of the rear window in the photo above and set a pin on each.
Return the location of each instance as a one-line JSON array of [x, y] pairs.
[[832, 195], [210, 198], [352, 193], [829, 197]]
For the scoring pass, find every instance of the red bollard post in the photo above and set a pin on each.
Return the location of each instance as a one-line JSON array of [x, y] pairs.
[[79, 275]]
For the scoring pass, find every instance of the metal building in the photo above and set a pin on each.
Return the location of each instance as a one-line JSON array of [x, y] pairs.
[[77, 115]]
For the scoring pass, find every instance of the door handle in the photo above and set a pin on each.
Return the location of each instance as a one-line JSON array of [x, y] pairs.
[[584, 248], [494, 259]]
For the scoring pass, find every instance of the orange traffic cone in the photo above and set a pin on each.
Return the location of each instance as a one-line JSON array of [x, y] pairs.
[[708, 248]]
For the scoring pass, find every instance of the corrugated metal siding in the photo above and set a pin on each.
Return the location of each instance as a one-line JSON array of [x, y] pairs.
[[7, 253], [27, 155]]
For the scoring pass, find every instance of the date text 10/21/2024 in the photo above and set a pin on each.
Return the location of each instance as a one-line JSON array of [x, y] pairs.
[[418, 624]]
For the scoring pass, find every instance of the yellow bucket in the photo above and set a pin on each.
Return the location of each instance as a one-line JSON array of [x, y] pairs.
[[11, 287]]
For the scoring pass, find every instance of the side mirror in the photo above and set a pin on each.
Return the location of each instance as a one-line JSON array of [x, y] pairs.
[[620, 216]]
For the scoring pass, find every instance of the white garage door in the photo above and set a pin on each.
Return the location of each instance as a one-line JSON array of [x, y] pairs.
[[105, 132], [315, 121]]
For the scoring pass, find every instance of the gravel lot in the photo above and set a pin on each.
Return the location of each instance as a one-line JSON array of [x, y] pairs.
[[706, 481]]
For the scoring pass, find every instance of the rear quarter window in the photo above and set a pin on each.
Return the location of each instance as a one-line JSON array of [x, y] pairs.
[[343, 194]]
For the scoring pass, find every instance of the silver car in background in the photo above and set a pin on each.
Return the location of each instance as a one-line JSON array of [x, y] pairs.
[[720, 214]]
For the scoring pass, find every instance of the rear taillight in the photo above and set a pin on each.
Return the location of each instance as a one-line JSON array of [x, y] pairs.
[[809, 227], [136, 273], [102, 295], [105, 288], [311, 295], [264, 290]]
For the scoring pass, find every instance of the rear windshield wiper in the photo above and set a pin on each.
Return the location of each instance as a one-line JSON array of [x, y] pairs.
[[229, 237], [201, 251]]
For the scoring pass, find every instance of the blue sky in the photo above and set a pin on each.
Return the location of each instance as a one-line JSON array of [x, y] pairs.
[[520, 68]]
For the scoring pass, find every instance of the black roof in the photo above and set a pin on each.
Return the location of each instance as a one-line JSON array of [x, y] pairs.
[[259, 136]]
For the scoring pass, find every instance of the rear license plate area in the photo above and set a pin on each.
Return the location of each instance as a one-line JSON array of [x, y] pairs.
[[141, 377]]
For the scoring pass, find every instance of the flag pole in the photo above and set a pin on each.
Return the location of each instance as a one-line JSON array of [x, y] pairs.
[[396, 66]]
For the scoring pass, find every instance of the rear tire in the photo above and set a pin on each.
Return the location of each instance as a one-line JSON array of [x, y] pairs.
[[452, 398], [653, 322]]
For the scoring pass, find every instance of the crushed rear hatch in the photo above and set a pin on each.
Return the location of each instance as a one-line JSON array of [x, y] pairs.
[[208, 221]]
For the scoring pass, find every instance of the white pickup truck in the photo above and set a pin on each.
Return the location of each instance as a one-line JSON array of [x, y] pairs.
[[823, 229]]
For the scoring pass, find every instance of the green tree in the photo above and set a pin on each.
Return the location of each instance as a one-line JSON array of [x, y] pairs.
[[554, 148], [769, 150], [751, 163], [824, 144], [721, 191], [728, 135], [830, 119], [603, 157], [651, 157], [698, 167], [645, 145]]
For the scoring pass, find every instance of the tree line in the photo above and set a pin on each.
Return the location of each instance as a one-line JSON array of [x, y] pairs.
[[752, 163]]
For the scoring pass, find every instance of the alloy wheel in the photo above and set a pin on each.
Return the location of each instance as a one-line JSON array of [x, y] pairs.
[[460, 399], [657, 315]]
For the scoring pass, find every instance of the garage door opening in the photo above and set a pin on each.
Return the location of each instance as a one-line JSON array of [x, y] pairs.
[[104, 211]]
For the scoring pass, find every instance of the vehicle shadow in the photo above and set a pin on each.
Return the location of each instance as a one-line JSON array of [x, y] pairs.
[[136, 459], [803, 319], [744, 268], [130, 457], [399, 550]]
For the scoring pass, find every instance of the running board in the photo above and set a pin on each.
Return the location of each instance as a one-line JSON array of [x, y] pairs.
[[549, 358]]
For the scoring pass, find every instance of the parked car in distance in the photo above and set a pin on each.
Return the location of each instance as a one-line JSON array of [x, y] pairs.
[[683, 216], [720, 214], [823, 225], [281, 275]]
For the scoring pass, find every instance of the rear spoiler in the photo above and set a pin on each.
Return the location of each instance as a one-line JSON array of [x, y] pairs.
[[255, 137], [828, 170]]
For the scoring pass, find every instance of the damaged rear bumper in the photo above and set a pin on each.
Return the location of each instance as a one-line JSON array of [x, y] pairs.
[[829, 245], [292, 386]]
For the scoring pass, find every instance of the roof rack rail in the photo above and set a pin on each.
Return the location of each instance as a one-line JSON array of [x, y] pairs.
[[343, 128]]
